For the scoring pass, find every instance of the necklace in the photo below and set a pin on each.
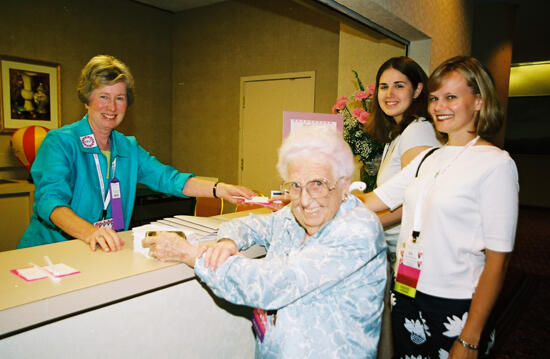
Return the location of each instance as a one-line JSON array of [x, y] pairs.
[[468, 145]]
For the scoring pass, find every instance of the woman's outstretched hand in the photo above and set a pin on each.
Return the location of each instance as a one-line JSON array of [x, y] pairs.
[[233, 193]]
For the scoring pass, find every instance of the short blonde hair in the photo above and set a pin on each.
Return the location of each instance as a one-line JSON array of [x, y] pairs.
[[490, 118], [104, 70], [317, 143]]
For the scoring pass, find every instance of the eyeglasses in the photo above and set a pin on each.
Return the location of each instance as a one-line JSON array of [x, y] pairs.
[[316, 188]]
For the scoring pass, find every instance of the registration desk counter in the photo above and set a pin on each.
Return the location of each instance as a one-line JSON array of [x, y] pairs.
[[120, 305]]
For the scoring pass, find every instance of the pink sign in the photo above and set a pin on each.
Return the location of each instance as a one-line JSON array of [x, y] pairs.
[[294, 120]]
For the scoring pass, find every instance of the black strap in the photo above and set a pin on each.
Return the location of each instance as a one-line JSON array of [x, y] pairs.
[[423, 158]]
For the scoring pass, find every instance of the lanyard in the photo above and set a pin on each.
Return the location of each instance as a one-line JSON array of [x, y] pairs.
[[106, 198], [418, 214]]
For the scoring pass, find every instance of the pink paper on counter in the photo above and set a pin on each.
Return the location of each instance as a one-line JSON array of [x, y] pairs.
[[31, 274]]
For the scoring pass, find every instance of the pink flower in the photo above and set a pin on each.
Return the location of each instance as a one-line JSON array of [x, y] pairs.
[[357, 112], [371, 89], [340, 104], [364, 117], [361, 95], [361, 115]]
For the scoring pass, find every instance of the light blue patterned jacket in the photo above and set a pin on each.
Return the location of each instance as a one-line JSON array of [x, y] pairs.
[[328, 291]]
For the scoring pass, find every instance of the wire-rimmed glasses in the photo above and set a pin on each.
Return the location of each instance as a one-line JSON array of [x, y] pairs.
[[316, 188]]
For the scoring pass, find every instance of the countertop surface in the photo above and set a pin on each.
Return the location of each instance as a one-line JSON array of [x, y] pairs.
[[103, 278]]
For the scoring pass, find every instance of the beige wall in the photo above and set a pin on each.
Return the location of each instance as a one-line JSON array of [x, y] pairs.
[[70, 32], [186, 111], [363, 51], [214, 46], [443, 26], [493, 46]]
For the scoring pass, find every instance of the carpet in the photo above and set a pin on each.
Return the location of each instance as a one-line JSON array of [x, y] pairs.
[[522, 310]]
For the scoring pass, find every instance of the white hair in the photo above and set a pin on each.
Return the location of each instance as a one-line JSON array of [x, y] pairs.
[[317, 143]]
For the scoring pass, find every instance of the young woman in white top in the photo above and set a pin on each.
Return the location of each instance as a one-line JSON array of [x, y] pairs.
[[459, 220], [399, 119]]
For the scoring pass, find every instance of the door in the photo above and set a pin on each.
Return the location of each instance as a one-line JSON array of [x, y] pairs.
[[263, 100]]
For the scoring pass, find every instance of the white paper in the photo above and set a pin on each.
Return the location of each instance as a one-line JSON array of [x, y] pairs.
[[60, 269], [32, 273]]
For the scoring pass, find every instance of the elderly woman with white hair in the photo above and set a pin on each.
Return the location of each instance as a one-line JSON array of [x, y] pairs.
[[318, 292]]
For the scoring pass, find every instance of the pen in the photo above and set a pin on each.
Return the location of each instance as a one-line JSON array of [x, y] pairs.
[[50, 264], [54, 279]]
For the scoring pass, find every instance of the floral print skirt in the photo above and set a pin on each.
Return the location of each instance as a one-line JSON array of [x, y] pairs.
[[427, 326]]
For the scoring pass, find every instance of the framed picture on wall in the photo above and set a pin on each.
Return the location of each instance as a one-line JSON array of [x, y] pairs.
[[30, 93]]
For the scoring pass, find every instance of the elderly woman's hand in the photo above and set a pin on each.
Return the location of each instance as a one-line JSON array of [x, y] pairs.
[[217, 255], [170, 246], [233, 193], [106, 238]]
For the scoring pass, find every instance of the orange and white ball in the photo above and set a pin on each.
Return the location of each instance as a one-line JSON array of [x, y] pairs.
[[25, 142]]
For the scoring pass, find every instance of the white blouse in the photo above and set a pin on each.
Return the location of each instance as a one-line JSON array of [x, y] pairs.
[[471, 206]]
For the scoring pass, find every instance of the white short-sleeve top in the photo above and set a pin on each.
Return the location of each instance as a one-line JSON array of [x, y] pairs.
[[471, 206]]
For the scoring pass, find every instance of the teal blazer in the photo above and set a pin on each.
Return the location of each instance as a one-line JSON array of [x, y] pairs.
[[65, 175]]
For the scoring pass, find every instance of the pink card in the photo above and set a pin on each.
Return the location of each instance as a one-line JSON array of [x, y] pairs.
[[34, 273], [293, 120]]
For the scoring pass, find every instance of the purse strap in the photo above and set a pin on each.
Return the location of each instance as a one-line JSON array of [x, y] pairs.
[[423, 158]]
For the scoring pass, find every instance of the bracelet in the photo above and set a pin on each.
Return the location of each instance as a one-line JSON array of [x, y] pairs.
[[466, 344], [214, 189]]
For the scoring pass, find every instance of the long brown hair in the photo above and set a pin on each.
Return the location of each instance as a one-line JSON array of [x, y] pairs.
[[383, 127]]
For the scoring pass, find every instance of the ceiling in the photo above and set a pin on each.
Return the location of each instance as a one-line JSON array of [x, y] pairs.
[[178, 5]]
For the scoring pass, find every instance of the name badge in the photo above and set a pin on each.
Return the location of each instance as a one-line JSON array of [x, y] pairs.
[[409, 269], [115, 189]]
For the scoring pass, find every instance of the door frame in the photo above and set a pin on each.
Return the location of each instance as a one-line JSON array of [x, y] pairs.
[[259, 78]]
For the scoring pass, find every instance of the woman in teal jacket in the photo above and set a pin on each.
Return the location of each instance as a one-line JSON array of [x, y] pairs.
[[86, 173]]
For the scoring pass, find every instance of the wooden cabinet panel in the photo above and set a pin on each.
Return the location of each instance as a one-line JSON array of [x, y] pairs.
[[16, 200]]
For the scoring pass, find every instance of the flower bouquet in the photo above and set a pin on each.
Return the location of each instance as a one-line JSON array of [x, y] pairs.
[[362, 145]]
